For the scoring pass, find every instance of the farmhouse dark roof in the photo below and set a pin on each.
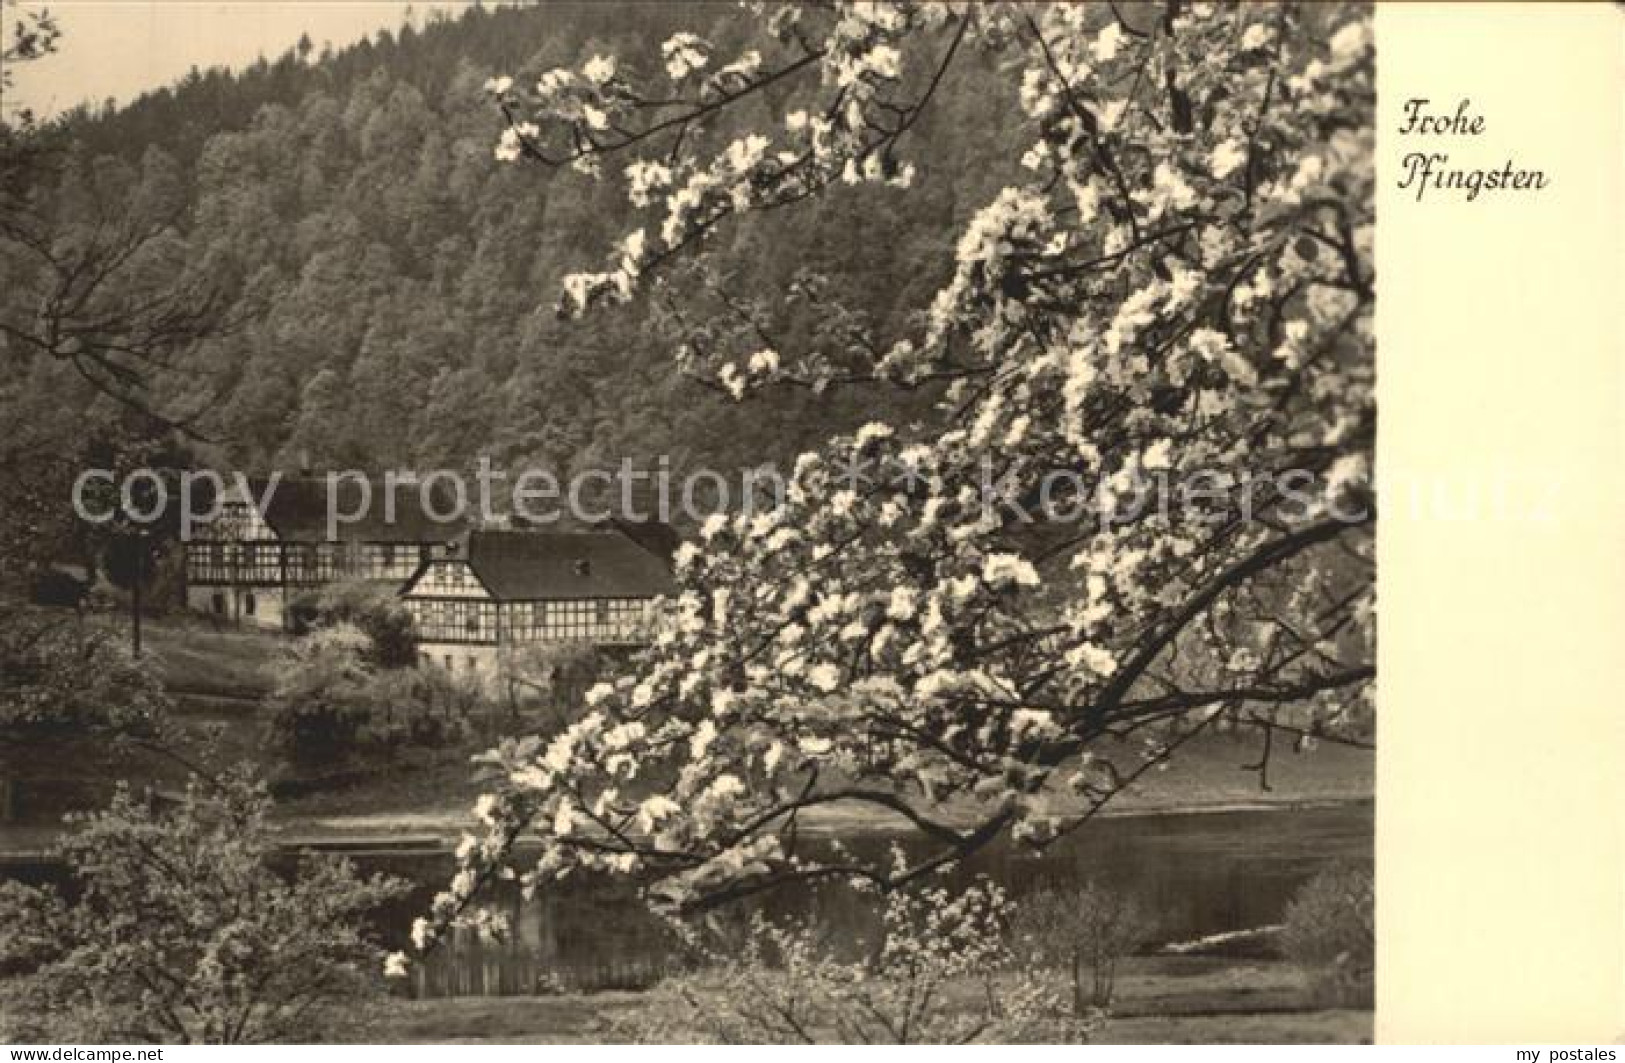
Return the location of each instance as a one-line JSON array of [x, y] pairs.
[[657, 537], [533, 565], [297, 511]]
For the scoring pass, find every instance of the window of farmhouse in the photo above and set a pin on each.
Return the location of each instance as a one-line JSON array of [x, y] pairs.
[[453, 621], [387, 560], [602, 619]]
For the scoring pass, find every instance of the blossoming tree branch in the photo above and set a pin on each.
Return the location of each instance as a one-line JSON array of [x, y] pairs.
[[1181, 285]]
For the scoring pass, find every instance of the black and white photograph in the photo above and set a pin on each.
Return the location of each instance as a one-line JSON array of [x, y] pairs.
[[604, 521]]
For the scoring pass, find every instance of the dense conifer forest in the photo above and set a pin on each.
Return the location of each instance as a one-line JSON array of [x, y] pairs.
[[391, 288]]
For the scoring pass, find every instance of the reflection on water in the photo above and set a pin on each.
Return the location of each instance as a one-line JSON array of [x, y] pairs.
[[1199, 873]]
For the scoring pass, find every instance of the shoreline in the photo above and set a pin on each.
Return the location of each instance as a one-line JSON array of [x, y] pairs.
[[439, 834]]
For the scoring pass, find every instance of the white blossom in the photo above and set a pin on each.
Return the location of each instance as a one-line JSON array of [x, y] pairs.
[[1352, 41], [825, 677], [684, 54], [886, 61], [1122, 319], [1158, 455], [1107, 43], [564, 818], [510, 144], [1227, 158], [701, 739], [1000, 570], [599, 69]]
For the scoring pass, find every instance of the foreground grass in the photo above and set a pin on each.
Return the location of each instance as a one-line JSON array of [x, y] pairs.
[[513, 1021], [1298, 1028], [1163, 1000]]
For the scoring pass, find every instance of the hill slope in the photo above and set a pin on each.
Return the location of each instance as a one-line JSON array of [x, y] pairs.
[[398, 283]]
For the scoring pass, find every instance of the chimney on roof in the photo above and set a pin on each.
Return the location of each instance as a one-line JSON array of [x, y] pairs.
[[582, 566], [304, 462]]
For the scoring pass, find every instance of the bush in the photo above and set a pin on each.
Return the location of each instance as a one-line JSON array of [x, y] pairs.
[[58, 677], [418, 707], [1087, 929], [940, 973], [1331, 933], [318, 698], [330, 700], [372, 608], [182, 933]]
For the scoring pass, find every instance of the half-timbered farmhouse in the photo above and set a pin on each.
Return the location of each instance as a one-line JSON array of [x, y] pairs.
[[508, 588], [249, 566]]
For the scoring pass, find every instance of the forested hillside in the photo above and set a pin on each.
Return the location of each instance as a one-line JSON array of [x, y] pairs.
[[392, 288]]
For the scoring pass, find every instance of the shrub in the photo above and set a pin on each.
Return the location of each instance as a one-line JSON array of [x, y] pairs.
[[372, 608], [60, 677], [1330, 933], [940, 972], [318, 696], [1086, 930], [182, 933], [330, 700], [418, 707]]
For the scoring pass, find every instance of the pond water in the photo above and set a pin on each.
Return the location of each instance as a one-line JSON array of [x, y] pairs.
[[1199, 873]]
